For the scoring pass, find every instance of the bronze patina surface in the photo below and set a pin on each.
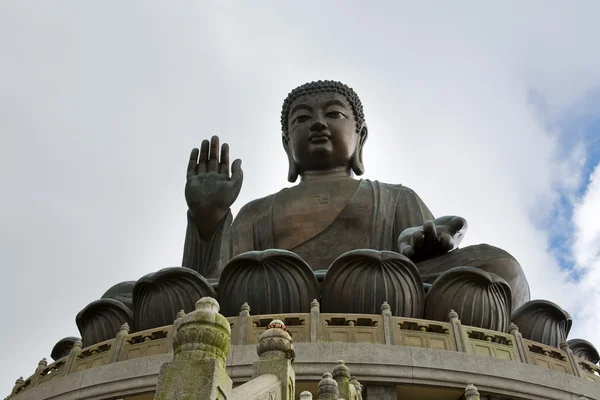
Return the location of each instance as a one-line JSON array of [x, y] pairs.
[[329, 212]]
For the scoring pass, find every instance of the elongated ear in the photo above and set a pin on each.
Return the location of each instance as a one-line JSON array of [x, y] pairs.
[[292, 168], [356, 163]]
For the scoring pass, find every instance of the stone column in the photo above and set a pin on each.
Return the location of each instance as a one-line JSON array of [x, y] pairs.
[[341, 375], [471, 392], [456, 331], [201, 344], [380, 392], [178, 318], [315, 313], [18, 383], [117, 345], [276, 354], [241, 325], [513, 329], [388, 330], [358, 387], [328, 388], [70, 364], [564, 346], [41, 366]]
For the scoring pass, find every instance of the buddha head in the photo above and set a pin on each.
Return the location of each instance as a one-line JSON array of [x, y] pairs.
[[323, 127]]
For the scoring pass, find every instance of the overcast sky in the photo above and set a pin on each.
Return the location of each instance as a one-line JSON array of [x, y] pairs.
[[489, 113]]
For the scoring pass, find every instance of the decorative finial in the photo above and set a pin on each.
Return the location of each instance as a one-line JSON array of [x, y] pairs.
[[43, 362], [208, 304], [306, 395], [357, 385], [452, 315], [341, 372], [19, 381], [124, 330], [328, 388], [245, 307], [202, 334], [78, 344], [471, 392], [275, 342], [314, 304], [512, 327], [180, 314], [385, 307]]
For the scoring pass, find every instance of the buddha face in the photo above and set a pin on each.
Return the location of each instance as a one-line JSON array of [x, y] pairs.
[[322, 132]]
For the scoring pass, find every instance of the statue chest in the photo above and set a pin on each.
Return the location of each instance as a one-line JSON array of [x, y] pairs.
[[302, 212]]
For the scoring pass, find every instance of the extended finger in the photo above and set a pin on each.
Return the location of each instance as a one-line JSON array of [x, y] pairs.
[[429, 231], [193, 163], [236, 171], [224, 164], [202, 162], [213, 161], [418, 240]]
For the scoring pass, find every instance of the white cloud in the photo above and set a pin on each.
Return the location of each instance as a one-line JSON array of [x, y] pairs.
[[100, 105]]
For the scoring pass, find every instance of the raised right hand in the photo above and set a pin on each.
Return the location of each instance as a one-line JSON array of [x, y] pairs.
[[210, 190]]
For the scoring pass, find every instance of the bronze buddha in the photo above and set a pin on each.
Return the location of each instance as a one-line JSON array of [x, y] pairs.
[[329, 212]]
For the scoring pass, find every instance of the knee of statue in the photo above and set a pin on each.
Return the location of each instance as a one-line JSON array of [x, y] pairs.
[[485, 258]]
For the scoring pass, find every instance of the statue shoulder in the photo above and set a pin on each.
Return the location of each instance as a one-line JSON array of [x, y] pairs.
[[392, 187], [256, 209]]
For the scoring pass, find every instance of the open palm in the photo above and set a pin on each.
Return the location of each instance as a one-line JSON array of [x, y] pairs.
[[210, 189]]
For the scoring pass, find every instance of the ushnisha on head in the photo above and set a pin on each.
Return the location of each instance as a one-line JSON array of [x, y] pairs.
[[323, 128]]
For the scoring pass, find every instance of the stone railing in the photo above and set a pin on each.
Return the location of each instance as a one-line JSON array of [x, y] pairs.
[[323, 327]]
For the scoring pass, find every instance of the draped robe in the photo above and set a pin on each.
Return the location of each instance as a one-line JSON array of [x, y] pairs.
[[372, 219]]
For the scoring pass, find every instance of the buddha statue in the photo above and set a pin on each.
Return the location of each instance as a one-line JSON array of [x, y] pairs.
[[329, 212]]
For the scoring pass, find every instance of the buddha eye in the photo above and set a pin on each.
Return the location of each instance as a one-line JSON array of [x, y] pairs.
[[336, 114], [300, 118]]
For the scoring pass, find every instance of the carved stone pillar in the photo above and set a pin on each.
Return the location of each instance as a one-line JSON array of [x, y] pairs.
[[276, 354], [513, 329], [341, 374], [41, 366], [241, 326], [69, 366], [386, 314], [315, 311], [328, 388], [117, 345], [471, 392], [201, 344], [456, 331], [564, 346]]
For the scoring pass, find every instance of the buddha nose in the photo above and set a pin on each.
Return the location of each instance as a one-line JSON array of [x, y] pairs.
[[318, 125]]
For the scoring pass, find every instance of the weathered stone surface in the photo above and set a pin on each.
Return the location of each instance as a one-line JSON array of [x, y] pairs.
[[270, 281], [584, 349], [328, 388], [359, 281], [276, 354], [480, 298], [543, 321], [157, 297], [200, 348], [63, 347], [101, 320]]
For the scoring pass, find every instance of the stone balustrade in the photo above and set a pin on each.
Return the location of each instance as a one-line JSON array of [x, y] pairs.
[[317, 327]]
